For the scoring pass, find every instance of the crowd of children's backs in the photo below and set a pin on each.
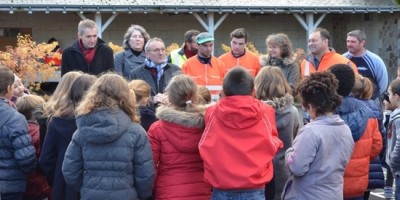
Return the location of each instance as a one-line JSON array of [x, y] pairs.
[[103, 137]]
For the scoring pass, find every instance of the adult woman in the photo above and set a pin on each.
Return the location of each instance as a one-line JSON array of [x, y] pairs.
[[135, 39], [280, 53]]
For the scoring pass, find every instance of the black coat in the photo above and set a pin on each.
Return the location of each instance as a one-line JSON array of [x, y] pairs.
[[143, 72], [58, 137], [74, 60]]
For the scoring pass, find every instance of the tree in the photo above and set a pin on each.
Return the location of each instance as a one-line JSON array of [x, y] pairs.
[[27, 60]]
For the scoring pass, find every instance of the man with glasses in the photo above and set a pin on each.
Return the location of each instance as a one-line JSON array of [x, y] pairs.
[[156, 71], [189, 49]]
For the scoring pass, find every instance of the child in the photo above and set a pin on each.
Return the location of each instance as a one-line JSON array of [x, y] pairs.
[[174, 141], [109, 156], [60, 129], [19, 89], [364, 129], [239, 141], [393, 149], [147, 112], [322, 147], [37, 187], [204, 93], [273, 89], [17, 155], [363, 90]]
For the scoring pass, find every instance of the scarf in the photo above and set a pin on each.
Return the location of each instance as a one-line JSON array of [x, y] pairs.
[[159, 67], [87, 53]]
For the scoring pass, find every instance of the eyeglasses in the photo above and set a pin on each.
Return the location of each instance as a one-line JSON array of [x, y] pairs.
[[157, 50]]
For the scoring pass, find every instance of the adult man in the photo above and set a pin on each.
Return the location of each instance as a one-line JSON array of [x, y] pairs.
[[89, 53], [368, 64], [238, 56], [322, 57], [155, 70], [189, 49], [205, 68]]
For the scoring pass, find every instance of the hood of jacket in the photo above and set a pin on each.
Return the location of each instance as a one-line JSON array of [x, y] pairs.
[[103, 125], [268, 60], [184, 128], [280, 104], [239, 112], [356, 115]]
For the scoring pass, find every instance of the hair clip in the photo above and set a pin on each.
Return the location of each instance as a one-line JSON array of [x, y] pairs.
[[188, 102]]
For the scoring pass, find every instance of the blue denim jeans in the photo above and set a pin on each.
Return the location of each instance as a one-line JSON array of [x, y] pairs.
[[11, 196], [256, 194]]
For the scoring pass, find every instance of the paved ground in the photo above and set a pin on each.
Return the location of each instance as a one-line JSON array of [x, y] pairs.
[[376, 195]]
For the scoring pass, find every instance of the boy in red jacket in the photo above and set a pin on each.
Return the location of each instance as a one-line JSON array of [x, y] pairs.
[[239, 141]]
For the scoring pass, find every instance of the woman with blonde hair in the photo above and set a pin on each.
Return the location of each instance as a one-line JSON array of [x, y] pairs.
[[174, 141], [273, 89], [280, 53], [109, 156], [60, 129], [147, 112], [133, 55]]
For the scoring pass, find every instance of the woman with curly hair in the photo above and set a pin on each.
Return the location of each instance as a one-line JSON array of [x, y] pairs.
[[323, 147]]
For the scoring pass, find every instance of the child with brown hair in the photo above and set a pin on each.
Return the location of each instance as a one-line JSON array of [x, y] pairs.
[[273, 89], [147, 112], [37, 187], [17, 154], [109, 156], [60, 129], [174, 141]]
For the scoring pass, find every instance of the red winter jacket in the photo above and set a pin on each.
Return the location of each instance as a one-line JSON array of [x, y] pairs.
[[179, 169], [238, 144]]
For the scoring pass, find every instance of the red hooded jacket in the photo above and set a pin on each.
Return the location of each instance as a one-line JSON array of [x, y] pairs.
[[238, 144]]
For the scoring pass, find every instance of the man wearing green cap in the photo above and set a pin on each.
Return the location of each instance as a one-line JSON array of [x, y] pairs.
[[205, 68]]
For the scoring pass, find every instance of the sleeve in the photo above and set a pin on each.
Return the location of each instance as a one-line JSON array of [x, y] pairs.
[[155, 143], [394, 156], [65, 67], [294, 75], [119, 62], [303, 152], [109, 58], [72, 167], [381, 75], [24, 152], [376, 139], [48, 157], [144, 166]]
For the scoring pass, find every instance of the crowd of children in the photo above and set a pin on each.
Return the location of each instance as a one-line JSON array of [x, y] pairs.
[[103, 138]]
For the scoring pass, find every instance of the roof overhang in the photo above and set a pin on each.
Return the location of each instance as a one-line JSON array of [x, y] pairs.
[[144, 9]]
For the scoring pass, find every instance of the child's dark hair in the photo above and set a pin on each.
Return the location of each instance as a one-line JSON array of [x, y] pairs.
[[346, 77], [395, 87], [6, 79], [319, 90], [238, 81]]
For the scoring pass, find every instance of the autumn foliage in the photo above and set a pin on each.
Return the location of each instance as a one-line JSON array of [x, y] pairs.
[[26, 59]]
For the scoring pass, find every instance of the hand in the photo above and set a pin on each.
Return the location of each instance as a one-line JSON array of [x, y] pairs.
[[161, 98]]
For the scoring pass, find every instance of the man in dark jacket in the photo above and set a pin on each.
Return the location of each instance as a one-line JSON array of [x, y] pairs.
[[89, 53], [156, 71]]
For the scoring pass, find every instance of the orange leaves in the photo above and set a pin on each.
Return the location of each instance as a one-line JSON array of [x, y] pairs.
[[27, 59]]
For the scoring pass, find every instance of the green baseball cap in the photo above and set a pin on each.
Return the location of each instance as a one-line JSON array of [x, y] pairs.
[[204, 37]]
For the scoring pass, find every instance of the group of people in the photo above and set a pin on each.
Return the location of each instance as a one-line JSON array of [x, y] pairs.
[[148, 129]]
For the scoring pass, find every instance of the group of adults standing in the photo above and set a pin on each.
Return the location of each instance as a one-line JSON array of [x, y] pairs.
[[145, 58]]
